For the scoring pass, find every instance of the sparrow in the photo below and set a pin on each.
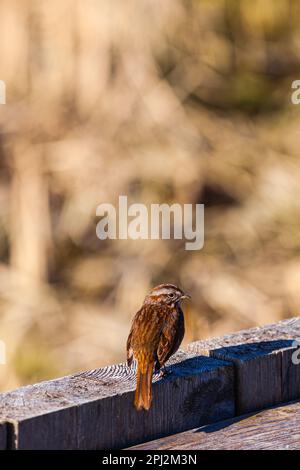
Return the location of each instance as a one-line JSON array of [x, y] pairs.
[[156, 333]]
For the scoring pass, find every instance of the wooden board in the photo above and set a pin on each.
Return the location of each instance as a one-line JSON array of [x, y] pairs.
[[284, 330], [276, 429], [94, 410], [291, 374], [3, 437], [265, 373]]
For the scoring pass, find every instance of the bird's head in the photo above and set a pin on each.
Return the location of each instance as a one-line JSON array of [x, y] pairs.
[[167, 294]]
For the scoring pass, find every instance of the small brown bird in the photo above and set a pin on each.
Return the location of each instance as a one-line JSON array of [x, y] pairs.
[[156, 333]]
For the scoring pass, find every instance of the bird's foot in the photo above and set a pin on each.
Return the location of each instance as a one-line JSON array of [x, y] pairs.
[[164, 372]]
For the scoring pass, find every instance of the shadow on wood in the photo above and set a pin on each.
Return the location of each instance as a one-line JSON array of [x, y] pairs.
[[238, 373], [276, 428], [264, 373], [94, 410]]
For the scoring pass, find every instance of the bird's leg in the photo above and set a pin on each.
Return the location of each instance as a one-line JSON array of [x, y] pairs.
[[157, 368], [161, 369], [164, 372]]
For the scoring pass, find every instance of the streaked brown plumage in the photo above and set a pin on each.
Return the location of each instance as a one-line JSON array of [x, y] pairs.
[[156, 333]]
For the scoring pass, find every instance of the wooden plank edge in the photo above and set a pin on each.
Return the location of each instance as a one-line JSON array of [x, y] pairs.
[[275, 428], [72, 413], [266, 375]]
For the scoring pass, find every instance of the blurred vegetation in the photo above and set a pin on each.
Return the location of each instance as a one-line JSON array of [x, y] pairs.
[[173, 101]]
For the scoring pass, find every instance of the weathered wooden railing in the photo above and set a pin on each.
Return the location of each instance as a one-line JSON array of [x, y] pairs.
[[211, 381]]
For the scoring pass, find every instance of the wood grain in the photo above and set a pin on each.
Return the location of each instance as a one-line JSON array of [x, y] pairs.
[[283, 330], [94, 410], [276, 429], [265, 373], [3, 436], [290, 374]]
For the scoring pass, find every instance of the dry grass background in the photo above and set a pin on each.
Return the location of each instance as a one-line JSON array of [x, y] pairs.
[[185, 101]]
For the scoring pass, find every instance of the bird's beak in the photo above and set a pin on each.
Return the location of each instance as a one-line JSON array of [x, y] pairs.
[[185, 296]]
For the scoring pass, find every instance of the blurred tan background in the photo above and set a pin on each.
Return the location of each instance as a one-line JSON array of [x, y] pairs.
[[165, 101]]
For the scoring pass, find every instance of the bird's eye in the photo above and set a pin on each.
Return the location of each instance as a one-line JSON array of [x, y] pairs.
[[171, 295]]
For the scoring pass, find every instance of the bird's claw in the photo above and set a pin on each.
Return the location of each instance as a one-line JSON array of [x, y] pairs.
[[164, 373]]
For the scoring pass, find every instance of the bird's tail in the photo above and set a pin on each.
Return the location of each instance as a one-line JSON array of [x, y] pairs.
[[143, 393]]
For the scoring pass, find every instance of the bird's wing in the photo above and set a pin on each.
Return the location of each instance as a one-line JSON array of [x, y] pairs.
[[145, 332], [170, 339], [132, 336], [129, 348]]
